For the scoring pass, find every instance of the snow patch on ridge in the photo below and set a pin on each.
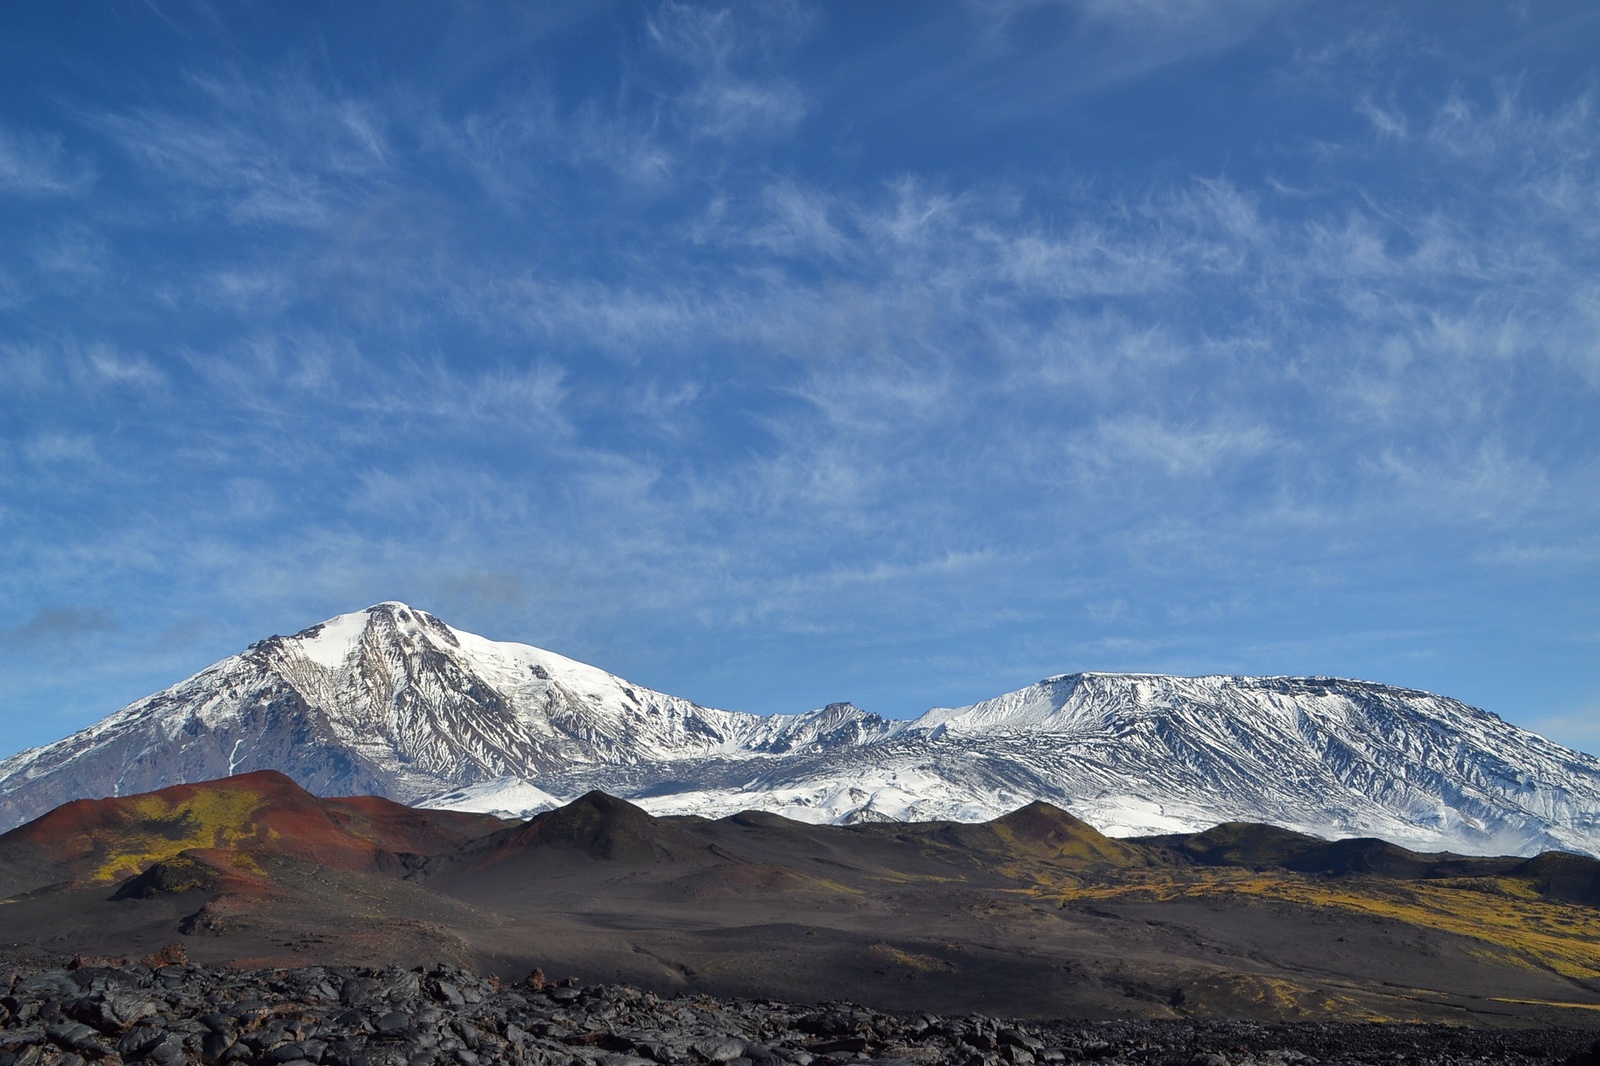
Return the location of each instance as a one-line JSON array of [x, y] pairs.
[[331, 644], [508, 797], [903, 794]]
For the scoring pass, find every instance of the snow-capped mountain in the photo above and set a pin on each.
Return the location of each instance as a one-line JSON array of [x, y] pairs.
[[392, 701]]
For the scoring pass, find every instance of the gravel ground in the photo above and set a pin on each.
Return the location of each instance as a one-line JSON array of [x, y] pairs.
[[165, 1012]]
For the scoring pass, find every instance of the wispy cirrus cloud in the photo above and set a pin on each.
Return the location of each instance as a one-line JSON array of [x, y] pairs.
[[281, 152], [518, 149], [733, 90], [1059, 49], [695, 338], [68, 366], [38, 165]]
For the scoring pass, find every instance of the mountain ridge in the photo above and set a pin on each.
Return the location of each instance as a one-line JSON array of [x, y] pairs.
[[393, 701]]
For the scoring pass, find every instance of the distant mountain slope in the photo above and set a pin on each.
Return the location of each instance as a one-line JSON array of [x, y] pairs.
[[392, 701], [1145, 753]]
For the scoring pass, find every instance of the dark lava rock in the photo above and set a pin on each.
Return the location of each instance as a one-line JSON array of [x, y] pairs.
[[174, 1014]]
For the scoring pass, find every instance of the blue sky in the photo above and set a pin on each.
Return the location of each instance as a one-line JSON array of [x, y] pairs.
[[777, 353]]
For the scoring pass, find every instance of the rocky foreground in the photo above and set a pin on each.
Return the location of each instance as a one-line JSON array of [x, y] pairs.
[[165, 1012]]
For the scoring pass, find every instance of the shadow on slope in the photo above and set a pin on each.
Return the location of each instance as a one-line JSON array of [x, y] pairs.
[[1560, 875]]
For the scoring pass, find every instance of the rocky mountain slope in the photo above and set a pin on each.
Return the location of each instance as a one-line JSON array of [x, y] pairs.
[[392, 701]]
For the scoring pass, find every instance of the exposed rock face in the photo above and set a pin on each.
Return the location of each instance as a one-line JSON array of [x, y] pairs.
[[392, 701], [168, 1014]]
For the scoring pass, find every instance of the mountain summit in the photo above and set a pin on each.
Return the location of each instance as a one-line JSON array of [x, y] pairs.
[[394, 702]]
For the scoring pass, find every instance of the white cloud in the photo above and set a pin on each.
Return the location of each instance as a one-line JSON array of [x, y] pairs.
[[620, 321], [1090, 261], [1388, 120], [251, 499], [85, 370], [784, 218], [1482, 481], [75, 254], [727, 107], [1578, 729], [1179, 450], [116, 367], [1577, 555], [61, 448], [248, 288], [281, 152], [1094, 43], [729, 51], [36, 165], [512, 150]]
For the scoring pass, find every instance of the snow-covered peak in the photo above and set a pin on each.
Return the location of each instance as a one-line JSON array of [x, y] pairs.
[[401, 637], [404, 642]]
